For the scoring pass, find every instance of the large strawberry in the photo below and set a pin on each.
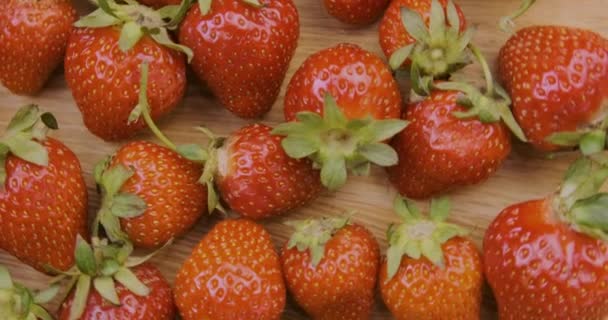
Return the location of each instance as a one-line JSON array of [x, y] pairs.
[[242, 50], [427, 36], [103, 60], [346, 103], [431, 271], [356, 12], [43, 196], [107, 283], [234, 273], [558, 80], [34, 37], [330, 267], [18, 302], [547, 259]]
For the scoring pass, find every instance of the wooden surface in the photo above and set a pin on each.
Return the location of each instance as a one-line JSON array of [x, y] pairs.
[[524, 176]]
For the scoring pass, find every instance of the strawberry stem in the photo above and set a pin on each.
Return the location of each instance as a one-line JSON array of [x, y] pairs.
[[487, 73], [507, 23]]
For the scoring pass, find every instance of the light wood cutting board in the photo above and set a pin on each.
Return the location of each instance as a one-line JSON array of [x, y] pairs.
[[524, 176]]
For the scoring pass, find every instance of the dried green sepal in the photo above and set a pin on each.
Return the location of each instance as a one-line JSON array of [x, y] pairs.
[[312, 234], [18, 302], [336, 144]]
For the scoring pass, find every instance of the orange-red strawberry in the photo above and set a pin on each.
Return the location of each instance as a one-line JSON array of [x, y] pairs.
[[151, 194], [356, 12], [431, 271], [558, 80], [547, 259], [242, 50], [346, 103], [43, 196], [330, 267], [18, 302], [102, 67], [257, 179], [427, 36], [233, 274], [107, 283], [34, 37]]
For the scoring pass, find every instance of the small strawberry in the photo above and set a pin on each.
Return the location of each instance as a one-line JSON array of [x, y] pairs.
[[159, 3], [346, 103], [233, 274], [547, 259], [242, 50], [18, 302], [458, 136], [34, 37], [431, 271], [43, 196], [429, 37], [356, 12], [123, 287], [103, 60], [330, 267], [558, 80]]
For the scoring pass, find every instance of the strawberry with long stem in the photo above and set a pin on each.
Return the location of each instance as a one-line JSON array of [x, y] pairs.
[[19, 302]]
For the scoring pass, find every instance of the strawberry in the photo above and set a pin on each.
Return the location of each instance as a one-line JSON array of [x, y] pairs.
[[548, 258], [43, 196], [346, 103], [103, 60], [558, 80], [458, 136], [356, 12], [431, 271], [330, 267], [430, 37], [18, 302], [233, 273], [151, 193], [257, 179], [34, 37], [107, 283], [242, 50], [159, 3]]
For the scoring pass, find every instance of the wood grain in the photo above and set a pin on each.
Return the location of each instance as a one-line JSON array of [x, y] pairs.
[[524, 176]]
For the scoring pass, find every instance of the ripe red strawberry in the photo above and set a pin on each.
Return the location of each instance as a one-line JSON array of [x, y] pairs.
[[34, 36], [102, 68], [257, 179], [558, 80], [233, 274], [356, 12], [108, 284], [431, 271], [18, 302], [427, 36], [548, 259], [241, 50], [151, 193], [43, 196], [330, 267], [346, 133]]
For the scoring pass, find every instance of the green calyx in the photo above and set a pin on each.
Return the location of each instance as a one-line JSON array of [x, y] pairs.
[[115, 204], [19, 303], [205, 5], [420, 236], [99, 267], [336, 144], [507, 23], [440, 49], [491, 106], [313, 234], [21, 139], [579, 201], [590, 140], [193, 152], [136, 20]]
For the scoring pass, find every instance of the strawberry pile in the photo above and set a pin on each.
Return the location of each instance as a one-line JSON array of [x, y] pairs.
[[345, 112]]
